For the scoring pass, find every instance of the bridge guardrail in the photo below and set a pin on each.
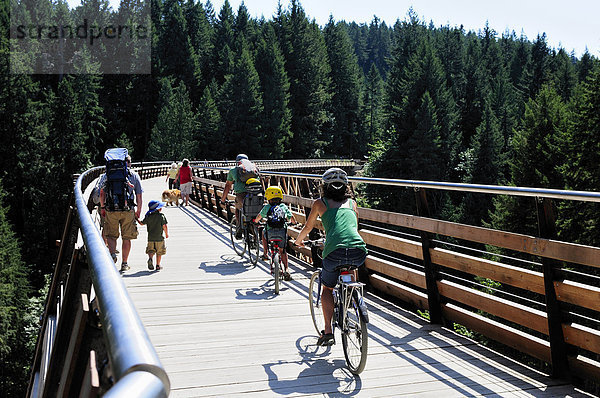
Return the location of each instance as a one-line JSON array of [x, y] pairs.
[[545, 306], [62, 366]]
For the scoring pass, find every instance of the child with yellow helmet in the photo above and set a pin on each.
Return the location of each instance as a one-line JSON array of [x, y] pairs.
[[277, 215]]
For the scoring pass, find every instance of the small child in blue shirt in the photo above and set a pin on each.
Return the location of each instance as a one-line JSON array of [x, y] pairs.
[[277, 215]]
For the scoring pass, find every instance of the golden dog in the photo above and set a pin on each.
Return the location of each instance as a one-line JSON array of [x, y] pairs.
[[171, 196]]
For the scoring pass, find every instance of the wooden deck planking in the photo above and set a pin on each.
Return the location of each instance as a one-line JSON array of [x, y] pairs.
[[220, 330]]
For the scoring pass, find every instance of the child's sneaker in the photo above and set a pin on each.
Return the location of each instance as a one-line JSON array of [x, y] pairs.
[[124, 267], [150, 264]]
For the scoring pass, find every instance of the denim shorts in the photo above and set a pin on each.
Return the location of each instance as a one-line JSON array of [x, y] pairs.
[[337, 259]]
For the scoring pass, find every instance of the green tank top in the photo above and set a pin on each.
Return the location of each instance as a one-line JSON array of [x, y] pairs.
[[341, 228]]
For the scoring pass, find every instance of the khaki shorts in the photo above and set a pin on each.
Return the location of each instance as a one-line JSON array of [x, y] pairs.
[[239, 200], [124, 219], [157, 247]]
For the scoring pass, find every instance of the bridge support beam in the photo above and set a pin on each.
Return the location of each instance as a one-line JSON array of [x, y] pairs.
[[558, 347], [431, 269]]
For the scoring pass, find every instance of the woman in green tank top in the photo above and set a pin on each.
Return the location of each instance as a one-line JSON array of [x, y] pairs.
[[343, 243]]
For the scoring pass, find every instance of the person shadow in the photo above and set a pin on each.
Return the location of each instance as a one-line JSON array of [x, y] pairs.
[[318, 373]]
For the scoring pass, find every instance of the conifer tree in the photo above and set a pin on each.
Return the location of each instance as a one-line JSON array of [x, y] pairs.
[[580, 221], [207, 141], [345, 86], [15, 349], [306, 63], [223, 48], [240, 106], [373, 106], [534, 161], [275, 131], [176, 126]]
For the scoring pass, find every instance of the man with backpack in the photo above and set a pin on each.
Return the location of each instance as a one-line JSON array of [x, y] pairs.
[[120, 201], [237, 176]]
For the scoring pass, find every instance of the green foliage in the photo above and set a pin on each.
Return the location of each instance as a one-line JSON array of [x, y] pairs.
[[15, 348], [173, 134]]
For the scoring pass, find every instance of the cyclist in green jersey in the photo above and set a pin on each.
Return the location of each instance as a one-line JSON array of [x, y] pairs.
[[343, 244]]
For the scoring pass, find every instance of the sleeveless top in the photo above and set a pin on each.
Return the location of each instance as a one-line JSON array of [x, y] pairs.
[[185, 174], [341, 228]]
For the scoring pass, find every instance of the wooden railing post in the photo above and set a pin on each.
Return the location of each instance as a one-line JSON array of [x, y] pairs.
[[558, 348], [431, 269]]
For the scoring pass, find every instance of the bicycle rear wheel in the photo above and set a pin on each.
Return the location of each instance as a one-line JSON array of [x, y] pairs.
[[239, 245], [354, 338], [253, 244], [314, 299], [276, 272]]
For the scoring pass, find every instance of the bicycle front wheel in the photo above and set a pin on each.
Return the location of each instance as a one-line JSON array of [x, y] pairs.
[[239, 245], [314, 299], [354, 338], [253, 244], [276, 272]]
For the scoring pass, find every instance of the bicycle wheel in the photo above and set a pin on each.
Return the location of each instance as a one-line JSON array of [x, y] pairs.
[[354, 338], [239, 245], [314, 300], [276, 272], [253, 244]]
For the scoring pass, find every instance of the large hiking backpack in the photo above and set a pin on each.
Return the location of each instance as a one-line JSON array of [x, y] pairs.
[[276, 217], [246, 170], [119, 193]]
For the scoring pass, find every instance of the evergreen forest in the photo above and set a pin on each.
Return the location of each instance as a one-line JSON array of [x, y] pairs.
[[414, 100]]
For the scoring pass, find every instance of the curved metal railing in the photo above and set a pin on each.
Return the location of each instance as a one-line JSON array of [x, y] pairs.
[[135, 363]]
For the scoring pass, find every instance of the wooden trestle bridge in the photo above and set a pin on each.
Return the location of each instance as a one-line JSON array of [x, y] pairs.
[[209, 323]]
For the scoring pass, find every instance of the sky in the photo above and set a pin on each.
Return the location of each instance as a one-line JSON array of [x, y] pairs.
[[572, 24]]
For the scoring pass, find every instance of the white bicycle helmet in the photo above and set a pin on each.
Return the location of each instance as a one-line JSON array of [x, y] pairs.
[[240, 157], [335, 175]]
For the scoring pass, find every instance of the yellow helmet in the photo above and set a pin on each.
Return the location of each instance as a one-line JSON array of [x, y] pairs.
[[273, 192], [252, 181]]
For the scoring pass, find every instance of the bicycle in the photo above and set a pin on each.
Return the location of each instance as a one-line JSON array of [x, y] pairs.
[[349, 313], [249, 239], [274, 242]]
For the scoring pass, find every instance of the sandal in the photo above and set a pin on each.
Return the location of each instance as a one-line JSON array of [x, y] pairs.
[[326, 339], [150, 264]]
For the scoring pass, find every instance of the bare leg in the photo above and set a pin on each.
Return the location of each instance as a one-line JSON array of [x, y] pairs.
[[126, 249], [112, 244], [327, 302], [264, 243], [158, 257], [284, 258]]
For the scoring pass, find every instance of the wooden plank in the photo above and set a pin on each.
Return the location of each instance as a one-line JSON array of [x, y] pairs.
[[563, 251], [404, 293], [90, 386], [503, 273], [584, 367], [582, 336], [511, 337], [517, 313], [579, 294], [396, 271], [399, 245]]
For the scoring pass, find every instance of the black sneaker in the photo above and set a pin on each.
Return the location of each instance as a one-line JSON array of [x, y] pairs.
[[286, 276], [326, 339], [124, 267]]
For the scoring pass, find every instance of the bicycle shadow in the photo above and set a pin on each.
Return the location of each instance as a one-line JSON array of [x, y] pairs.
[[229, 265], [266, 291], [318, 375]]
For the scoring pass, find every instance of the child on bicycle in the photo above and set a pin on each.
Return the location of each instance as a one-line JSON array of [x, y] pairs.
[[277, 215], [343, 243]]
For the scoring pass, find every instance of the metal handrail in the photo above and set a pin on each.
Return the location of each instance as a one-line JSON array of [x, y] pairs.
[[584, 196], [132, 355]]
